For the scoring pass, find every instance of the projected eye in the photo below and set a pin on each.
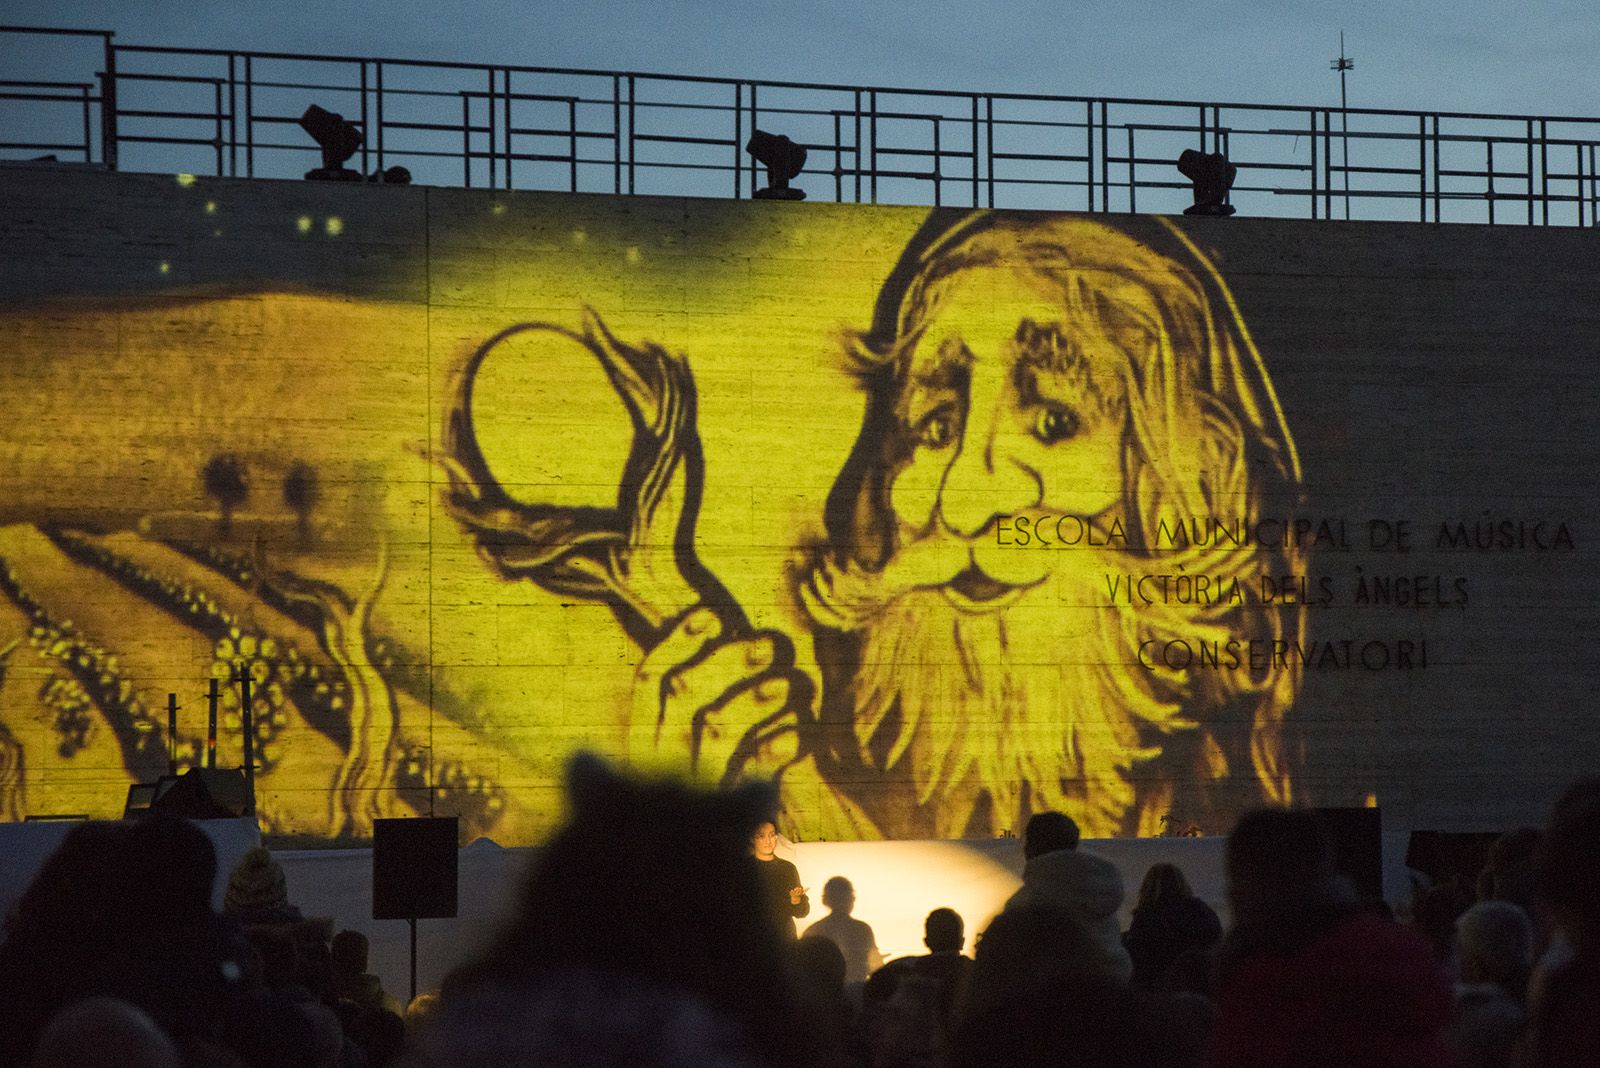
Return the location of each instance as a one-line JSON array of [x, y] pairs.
[[1055, 424], [937, 430]]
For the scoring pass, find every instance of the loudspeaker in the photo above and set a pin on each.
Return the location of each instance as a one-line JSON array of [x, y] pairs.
[[1357, 835], [414, 869], [202, 794]]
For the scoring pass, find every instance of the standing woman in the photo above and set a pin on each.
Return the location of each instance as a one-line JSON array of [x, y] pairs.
[[1168, 920], [786, 898]]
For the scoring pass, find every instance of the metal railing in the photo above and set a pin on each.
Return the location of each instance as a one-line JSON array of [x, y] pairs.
[[234, 113]]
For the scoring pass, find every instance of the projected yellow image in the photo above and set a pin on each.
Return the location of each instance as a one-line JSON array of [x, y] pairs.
[[1016, 367], [900, 599]]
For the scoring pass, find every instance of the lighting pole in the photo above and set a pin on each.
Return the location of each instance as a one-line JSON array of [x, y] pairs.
[[1344, 64]]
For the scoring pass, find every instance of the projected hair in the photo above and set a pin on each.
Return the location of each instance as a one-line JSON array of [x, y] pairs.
[[1204, 437]]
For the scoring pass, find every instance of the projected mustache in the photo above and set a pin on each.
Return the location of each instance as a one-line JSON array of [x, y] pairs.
[[845, 596]]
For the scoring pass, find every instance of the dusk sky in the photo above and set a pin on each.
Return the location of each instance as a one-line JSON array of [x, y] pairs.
[[1472, 55]]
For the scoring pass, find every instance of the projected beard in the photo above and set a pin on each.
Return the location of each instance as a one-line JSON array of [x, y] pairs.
[[1063, 372]]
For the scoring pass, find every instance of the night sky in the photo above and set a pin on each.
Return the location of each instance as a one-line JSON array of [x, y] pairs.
[[1474, 55]]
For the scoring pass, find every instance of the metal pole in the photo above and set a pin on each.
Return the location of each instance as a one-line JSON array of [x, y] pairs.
[[413, 924], [247, 722], [172, 734], [212, 697], [1344, 64]]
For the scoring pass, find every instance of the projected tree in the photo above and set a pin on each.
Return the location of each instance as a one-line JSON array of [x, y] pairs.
[[223, 479]]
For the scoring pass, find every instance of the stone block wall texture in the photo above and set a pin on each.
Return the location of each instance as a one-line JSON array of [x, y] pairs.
[[940, 518]]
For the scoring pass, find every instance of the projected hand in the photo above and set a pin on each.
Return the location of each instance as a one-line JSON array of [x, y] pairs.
[[719, 706]]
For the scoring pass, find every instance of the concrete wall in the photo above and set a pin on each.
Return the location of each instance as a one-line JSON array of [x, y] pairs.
[[420, 647]]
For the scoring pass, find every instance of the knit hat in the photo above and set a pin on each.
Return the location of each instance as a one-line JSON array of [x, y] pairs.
[[256, 885]]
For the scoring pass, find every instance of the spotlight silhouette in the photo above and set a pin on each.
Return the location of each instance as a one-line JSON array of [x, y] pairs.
[[1212, 176], [783, 159], [338, 139]]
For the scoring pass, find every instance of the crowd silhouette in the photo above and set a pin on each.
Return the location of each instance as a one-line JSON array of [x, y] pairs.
[[683, 953]]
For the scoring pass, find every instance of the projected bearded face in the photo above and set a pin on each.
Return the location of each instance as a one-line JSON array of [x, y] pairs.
[[1067, 376], [1006, 409]]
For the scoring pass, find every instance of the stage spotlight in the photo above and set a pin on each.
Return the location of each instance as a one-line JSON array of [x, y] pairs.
[[1212, 176], [338, 139], [783, 159]]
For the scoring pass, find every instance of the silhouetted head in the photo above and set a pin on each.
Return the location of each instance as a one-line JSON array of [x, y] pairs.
[[1567, 862], [1047, 832], [173, 866], [1038, 995], [650, 894], [1280, 861], [943, 931], [1494, 941], [1163, 883], [1508, 871], [104, 1033], [838, 895], [821, 963], [349, 952]]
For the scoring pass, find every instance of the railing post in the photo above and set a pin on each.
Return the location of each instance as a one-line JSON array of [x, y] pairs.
[[1088, 151], [872, 136], [377, 72], [755, 124], [989, 128], [250, 119], [738, 140], [1439, 195], [1488, 148], [572, 134], [1422, 168], [1133, 195], [975, 150], [216, 113], [108, 105], [488, 110], [88, 126], [1530, 171], [1314, 163], [466, 143], [366, 142]]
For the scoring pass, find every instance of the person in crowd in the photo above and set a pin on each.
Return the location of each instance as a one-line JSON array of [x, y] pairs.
[[1307, 977], [121, 910], [1494, 948], [908, 1005], [1564, 1015], [640, 938], [1434, 913], [853, 937], [285, 1027], [258, 892], [1508, 872], [1058, 875], [351, 980], [419, 1011], [1040, 994], [820, 967], [786, 898], [370, 1016], [104, 1032], [1167, 921]]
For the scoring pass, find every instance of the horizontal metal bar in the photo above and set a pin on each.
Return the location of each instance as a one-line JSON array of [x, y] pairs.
[[131, 113]]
